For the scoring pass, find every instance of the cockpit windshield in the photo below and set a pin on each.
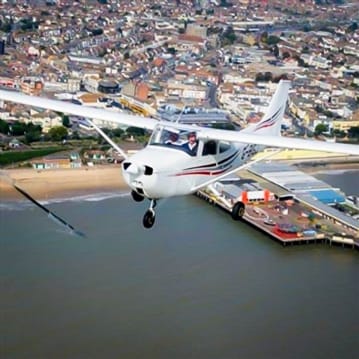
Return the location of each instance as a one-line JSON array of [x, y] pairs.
[[175, 138]]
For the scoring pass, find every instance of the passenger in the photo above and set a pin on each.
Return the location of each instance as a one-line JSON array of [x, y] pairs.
[[192, 145]]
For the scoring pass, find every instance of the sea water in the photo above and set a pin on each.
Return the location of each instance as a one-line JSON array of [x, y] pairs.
[[197, 285]]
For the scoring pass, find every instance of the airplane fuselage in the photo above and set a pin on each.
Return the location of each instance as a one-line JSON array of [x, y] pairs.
[[164, 171]]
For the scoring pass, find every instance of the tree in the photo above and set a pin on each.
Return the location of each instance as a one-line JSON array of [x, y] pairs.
[[338, 133], [353, 27], [58, 133], [268, 76], [5, 26], [21, 128], [75, 135], [229, 37], [32, 136], [264, 77], [273, 40], [118, 132], [4, 127], [96, 32], [28, 24], [171, 50], [320, 128], [224, 3], [259, 77], [135, 131], [66, 121], [354, 132], [32, 132], [18, 129]]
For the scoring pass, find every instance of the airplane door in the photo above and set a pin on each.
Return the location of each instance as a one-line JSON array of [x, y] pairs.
[[210, 148]]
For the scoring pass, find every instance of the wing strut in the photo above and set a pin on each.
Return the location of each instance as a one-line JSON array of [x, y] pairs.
[[108, 139]]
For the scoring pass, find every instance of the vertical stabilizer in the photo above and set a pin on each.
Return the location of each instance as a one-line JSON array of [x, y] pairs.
[[272, 120]]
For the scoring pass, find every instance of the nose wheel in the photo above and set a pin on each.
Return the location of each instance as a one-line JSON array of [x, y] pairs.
[[150, 215]]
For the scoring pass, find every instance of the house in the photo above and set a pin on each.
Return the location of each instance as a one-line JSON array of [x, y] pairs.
[[58, 160], [95, 156], [52, 162], [14, 143]]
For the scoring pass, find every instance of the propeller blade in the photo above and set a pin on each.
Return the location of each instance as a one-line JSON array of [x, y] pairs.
[[50, 214]]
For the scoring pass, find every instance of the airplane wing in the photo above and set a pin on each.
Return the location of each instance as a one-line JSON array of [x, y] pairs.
[[150, 123], [279, 141], [78, 110]]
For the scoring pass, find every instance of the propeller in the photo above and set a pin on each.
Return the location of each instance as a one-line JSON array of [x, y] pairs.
[[51, 215]]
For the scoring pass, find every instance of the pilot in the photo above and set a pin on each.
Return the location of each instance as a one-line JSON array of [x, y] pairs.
[[192, 145], [172, 138]]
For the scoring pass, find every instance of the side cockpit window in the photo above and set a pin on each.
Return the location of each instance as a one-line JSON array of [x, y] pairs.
[[209, 148]]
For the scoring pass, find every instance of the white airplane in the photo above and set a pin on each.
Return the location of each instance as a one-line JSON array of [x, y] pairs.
[[166, 167]]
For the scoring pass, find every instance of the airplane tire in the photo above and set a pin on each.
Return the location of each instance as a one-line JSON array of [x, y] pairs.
[[136, 196], [238, 211], [149, 219]]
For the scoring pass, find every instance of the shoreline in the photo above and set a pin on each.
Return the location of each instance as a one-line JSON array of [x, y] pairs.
[[55, 184], [320, 167]]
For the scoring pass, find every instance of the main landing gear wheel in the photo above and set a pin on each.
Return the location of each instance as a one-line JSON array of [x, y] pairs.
[[150, 216], [149, 219], [136, 196], [238, 211]]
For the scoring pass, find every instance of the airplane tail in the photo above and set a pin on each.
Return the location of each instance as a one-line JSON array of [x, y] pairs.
[[272, 120]]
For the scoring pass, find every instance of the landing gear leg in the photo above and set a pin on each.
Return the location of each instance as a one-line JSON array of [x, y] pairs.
[[150, 215]]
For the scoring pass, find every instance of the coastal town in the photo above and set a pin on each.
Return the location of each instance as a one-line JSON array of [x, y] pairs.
[[200, 61], [208, 63]]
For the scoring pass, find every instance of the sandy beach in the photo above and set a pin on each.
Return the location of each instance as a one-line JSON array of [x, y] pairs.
[[58, 183]]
